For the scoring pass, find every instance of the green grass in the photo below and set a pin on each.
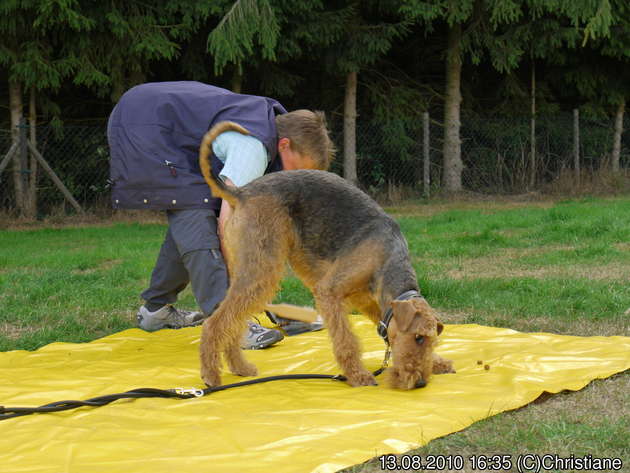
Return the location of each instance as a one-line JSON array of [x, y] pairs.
[[72, 284], [563, 267]]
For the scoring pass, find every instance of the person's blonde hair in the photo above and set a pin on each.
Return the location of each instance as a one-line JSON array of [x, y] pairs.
[[308, 135]]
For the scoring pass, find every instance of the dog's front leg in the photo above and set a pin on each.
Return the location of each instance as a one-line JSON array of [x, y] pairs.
[[442, 365], [345, 345]]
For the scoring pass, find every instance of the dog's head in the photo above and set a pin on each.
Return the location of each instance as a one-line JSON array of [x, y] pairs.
[[412, 333]]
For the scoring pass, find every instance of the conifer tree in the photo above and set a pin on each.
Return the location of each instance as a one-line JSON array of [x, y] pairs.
[[30, 52], [368, 31], [482, 27]]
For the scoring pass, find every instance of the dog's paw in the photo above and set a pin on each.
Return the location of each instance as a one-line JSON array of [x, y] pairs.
[[211, 378], [364, 378], [442, 366], [244, 369]]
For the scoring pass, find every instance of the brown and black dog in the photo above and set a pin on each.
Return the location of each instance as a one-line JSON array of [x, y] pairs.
[[344, 248]]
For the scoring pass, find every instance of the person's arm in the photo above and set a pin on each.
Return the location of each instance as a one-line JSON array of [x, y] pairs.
[[245, 159], [224, 214], [226, 210]]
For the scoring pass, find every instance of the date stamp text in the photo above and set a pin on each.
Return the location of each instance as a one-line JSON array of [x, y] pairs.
[[527, 462]]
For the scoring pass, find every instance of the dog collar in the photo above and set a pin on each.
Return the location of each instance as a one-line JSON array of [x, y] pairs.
[[382, 326]]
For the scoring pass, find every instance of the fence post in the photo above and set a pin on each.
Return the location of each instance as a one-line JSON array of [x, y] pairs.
[[576, 144], [616, 152], [350, 129], [23, 157], [23, 164], [426, 162]]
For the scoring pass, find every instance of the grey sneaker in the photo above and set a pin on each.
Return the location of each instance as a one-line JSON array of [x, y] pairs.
[[168, 317], [294, 327], [258, 337]]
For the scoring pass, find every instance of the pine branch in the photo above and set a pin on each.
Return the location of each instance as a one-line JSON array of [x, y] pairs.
[[234, 36]]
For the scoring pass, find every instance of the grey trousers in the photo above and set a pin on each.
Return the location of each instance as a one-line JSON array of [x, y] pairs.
[[191, 253]]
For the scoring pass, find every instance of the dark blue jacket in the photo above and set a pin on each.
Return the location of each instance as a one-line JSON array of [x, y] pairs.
[[154, 133]]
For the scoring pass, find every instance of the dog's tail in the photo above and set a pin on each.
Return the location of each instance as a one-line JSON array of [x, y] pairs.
[[218, 188]]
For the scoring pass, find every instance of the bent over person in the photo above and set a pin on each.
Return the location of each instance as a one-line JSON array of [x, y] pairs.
[[154, 133]]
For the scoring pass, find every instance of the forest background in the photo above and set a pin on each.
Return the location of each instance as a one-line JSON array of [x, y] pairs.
[[515, 95]]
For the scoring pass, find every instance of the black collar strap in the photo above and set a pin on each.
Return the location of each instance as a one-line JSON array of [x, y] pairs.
[[389, 313]]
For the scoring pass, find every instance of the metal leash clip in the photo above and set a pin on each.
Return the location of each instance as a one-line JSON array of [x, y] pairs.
[[388, 354], [189, 391]]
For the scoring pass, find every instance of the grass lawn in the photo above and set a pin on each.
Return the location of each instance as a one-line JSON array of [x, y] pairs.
[[561, 267]]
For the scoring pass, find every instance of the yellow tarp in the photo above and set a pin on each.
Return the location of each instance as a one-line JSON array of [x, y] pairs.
[[282, 426]]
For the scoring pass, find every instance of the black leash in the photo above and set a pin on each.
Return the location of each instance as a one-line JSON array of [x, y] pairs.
[[188, 393], [177, 393]]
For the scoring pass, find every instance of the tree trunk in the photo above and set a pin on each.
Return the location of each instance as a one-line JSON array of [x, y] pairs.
[[616, 152], [136, 77], [426, 152], [350, 129], [452, 149], [237, 81], [15, 104], [117, 89], [576, 145], [31, 199], [532, 140]]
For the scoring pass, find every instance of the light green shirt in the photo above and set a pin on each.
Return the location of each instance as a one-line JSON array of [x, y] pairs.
[[245, 157]]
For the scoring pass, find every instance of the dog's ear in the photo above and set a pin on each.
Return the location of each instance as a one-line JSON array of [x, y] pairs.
[[440, 326], [427, 325], [404, 313], [430, 323]]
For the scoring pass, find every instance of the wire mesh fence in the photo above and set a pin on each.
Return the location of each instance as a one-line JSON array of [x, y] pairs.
[[496, 154], [79, 156]]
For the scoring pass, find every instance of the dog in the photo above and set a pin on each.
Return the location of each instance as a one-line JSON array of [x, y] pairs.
[[343, 247]]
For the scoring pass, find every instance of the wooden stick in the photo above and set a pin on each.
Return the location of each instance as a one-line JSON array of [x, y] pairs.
[[8, 156], [290, 311], [64, 190]]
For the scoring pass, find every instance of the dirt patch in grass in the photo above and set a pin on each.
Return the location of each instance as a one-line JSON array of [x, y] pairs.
[[15, 331], [611, 271], [489, 205], [24, 270], [104, 266], [9, 222], [504, 264], [82, 248], [619, 326]]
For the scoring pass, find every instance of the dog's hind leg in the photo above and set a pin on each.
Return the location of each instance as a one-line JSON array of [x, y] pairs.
[[256, 265], [237, 362], [224, 328]]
